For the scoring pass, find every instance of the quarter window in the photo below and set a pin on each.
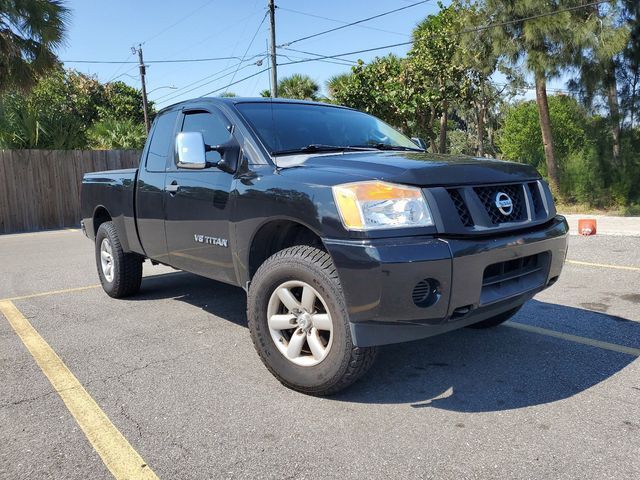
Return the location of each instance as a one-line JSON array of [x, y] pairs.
[[161, 141]]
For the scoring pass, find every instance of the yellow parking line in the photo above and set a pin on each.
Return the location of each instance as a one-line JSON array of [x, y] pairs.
[[52, 292], [76, 289], [575, 338], [114, 449], [604, 265]]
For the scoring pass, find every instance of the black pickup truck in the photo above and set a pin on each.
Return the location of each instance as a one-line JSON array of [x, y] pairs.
[[344, 233]]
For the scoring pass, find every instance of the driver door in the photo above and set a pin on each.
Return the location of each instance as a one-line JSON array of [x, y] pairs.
[[197, 204]]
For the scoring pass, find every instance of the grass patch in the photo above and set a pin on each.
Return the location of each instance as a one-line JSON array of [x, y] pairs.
[[632, 210]]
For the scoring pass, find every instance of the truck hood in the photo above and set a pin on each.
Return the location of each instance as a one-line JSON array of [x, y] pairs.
[[415, 168]]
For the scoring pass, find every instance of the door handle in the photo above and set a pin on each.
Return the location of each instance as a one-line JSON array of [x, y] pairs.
[[172, 187]]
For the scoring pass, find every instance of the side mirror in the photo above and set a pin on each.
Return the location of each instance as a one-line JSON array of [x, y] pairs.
[[190, 148], [419, 142], [229, 153]]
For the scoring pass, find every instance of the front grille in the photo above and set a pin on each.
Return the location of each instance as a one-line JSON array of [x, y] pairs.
[[487, 196], [537, 206], [506, 279], [461, 207]]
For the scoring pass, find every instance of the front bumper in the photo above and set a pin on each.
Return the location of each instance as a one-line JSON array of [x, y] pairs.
[[379, 278]]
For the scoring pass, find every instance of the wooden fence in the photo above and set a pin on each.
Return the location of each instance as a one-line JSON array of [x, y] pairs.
[[40, 189]]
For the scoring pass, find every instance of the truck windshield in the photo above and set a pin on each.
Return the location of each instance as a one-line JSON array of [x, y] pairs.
[[287, 128]]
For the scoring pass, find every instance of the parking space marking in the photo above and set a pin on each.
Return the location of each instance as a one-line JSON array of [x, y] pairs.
[[575, 338], [52, 292], [603, 265], [115, 451]]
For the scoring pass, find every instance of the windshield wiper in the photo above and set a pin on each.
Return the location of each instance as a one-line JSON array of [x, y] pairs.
[[319, 147], [386, 146]]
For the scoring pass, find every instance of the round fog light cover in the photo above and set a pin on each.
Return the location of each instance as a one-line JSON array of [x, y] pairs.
[[426, 292]]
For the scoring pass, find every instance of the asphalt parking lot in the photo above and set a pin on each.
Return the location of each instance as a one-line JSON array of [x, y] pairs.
[[555, 394]]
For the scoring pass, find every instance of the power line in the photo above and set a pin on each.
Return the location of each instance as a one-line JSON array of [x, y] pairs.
[[344, 63], [217, 76], [182, 19], [113, 75], [351, 24], [355, 52], [249, 46], [341, 21], [236, 82], [532, 17], [352, 62], [180, 60], [461, 32]]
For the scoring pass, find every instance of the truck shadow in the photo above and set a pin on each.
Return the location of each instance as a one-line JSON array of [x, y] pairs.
[[465, 370]]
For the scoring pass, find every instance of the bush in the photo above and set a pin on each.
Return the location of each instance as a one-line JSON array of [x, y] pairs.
[[582, 148], [115, 134]]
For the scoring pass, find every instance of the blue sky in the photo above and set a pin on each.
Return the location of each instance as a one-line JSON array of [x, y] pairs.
[[106, 30]]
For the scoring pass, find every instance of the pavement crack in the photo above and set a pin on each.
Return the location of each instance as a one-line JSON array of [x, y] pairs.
[[132, 420], [27, 400], [153, 363]]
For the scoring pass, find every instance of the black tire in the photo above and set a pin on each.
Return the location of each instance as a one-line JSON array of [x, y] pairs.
[[497, 320], [127, 267], [344, 363]]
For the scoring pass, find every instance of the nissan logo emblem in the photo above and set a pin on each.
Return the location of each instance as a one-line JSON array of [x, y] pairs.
[[503, 203]]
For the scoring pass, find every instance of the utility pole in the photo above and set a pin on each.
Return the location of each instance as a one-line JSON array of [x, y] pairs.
[[274, 73], [143, 72]]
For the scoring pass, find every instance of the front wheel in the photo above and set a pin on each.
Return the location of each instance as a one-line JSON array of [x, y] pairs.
[[120, 272], [299, 323]]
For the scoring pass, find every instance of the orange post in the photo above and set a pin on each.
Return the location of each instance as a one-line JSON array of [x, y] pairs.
[[587, 226]]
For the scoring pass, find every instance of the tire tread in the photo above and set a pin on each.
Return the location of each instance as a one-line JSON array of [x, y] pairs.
[[355, 363], [129, 265]]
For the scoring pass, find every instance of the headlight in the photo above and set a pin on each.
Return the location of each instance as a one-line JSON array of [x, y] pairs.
[[377, 205]]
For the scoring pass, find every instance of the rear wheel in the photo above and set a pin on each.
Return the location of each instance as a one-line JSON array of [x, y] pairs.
[[120, 273], [299, 323], [497, 320]]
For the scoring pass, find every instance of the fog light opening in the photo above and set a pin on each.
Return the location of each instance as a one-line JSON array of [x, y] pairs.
[[426, 292]]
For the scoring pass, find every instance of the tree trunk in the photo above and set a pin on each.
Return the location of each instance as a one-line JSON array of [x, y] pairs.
[[490, 138], [547, 136], [443, 127], [614, 111], [634, 89], [482, 109], [432, 137]]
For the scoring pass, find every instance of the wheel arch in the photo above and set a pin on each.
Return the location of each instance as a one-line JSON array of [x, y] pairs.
[[275, 235], [100, 216]]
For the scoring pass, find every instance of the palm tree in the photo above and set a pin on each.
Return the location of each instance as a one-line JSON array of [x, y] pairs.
[[548, 44], [298, 86], [598, 70], [30, 31], [336, 84]]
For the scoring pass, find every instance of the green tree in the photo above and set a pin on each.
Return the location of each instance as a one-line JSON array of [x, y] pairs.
[[376, 88], [113, 133], [298, 86], [337, 84], [30, 32], [61, 107], [577, 139], [123, 102], [438, 74], [547, 44], [598, 67]]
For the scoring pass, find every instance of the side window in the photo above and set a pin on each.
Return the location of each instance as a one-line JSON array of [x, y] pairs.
[[213, 128], [161, 142]]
